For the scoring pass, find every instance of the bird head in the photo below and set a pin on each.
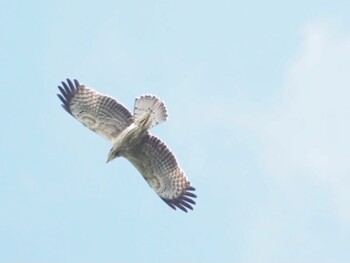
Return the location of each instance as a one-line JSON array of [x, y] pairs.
[[113, 153]]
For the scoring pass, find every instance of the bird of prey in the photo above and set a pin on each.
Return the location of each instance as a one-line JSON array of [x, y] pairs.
[[130, 138]]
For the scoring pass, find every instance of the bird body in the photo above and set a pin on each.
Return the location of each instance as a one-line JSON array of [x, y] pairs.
[[150, 111], [131, 139]]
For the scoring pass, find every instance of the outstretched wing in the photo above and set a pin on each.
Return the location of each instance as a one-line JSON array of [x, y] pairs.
[[158, 166], [101, 114]]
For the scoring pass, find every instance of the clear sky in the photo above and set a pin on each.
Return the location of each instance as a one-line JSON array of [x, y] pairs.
[[258, 97]]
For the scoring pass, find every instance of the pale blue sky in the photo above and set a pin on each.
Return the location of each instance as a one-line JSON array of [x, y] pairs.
[[258, 98]]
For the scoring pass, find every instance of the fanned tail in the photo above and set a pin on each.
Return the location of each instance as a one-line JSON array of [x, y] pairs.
[[149, 111]]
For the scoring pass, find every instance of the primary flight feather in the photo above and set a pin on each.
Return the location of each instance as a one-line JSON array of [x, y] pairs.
[[130, 138]]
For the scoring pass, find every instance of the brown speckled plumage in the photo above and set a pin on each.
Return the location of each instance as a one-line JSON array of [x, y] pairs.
[[130, 138]]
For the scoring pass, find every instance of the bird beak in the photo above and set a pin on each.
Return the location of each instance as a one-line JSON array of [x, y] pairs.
[[109, 159]]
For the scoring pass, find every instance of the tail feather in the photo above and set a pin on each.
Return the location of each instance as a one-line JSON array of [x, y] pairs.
[[150, 109]]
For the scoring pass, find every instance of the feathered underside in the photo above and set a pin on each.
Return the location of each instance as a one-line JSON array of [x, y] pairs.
[[105, 116], [160, 169], [100, 113], [152, 106]]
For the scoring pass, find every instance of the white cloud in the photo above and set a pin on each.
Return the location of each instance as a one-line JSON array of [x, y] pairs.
[[306, 134]]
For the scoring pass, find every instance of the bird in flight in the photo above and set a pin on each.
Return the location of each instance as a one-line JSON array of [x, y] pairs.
[[130, 138]]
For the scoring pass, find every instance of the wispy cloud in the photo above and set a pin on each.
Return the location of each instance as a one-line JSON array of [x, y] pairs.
[[306, 133]]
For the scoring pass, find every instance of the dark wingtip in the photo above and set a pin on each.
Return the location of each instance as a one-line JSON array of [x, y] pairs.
[[190, 194], [167, 201], [182, 202], [188, 200], [181, 207], [68, 90], [77, 84]]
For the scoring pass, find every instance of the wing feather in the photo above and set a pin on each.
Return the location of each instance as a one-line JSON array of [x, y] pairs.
[[158, 166], [100, 113]]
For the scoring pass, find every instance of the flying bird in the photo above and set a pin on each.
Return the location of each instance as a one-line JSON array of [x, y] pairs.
[[128, 133]]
